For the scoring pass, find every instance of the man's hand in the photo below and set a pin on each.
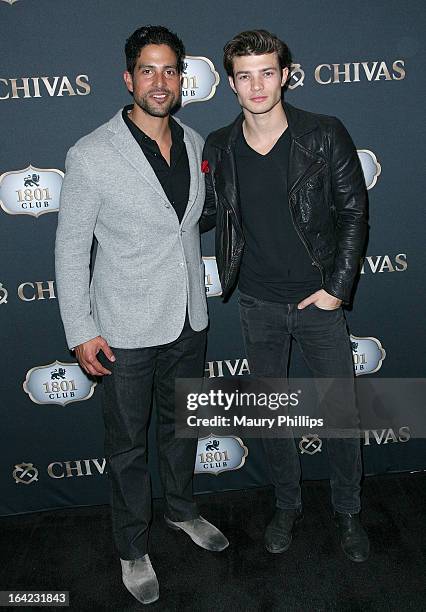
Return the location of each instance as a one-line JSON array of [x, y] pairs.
[[322, 300], [86, 355]]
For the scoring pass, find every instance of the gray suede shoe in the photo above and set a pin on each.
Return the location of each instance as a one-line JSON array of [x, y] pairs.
[[140, 579], [202, 533]]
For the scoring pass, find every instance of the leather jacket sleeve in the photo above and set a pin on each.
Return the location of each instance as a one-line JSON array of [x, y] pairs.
[[350, 210], [208, 216]]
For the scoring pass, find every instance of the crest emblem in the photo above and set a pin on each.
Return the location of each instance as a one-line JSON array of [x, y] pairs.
[[370, 167], [3, 294], [211, 277], [58, 383], [310, 444], [216, 454], [368, 354], [297, 76], [199, 79], [31, 191], [25, 473]]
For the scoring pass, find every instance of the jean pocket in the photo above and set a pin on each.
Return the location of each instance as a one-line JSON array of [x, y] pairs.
[[325, 309], [246, 301]]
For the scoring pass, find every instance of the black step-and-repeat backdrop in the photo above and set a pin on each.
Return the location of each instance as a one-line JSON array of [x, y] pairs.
[[61, 77]]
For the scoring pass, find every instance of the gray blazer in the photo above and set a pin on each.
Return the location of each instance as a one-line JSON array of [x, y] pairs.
[[148, 267]]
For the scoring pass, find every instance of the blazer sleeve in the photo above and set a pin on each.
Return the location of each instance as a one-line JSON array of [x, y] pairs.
[[78, 211]]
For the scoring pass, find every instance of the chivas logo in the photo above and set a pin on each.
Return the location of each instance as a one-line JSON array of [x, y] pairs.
[[199, 79], [58, 383], [354, 72], [76, 468], [384, 436], [37, 87], [28, 292], [370, 167], [212, 281], [220, 454], [3, 294], [310, 444], [297, 76], [32, 191], [219, 369], [25, 473], [383, 263], [368, 354]]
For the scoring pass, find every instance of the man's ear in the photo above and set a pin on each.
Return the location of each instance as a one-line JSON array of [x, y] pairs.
[[128, 79], [284, 78], [231, 83]]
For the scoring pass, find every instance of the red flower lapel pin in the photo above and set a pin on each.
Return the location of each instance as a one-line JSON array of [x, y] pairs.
[[205, 168]]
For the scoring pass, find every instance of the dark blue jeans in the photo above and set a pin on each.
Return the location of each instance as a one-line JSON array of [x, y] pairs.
[[268, 329], [137, 376]]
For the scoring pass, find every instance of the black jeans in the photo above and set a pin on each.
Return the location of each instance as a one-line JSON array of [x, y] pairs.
[[137, 375], [268, 329]]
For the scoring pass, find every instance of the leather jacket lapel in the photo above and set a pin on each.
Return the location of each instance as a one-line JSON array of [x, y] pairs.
[[226, 172], [303, 165]]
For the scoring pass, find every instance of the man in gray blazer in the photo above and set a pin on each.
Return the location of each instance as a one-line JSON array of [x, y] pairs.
[[135, 184]]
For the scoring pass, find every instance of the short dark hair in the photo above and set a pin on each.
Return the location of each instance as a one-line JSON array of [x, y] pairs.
[[153, 35], [255, 42]]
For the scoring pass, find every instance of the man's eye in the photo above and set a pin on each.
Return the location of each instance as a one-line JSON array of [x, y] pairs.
[[170, 72], [268, 73], [243, 77], [146, 71]]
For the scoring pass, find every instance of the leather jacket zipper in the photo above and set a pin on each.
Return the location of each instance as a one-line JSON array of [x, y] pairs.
[[315, 262]]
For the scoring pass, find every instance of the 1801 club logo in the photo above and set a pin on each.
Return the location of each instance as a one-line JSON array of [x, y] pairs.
[[368, 354], [199, 79], [211, 277], [216, 454], [370, 167], [31, 191], [58, 383]]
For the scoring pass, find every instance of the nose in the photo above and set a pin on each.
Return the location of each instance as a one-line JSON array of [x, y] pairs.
[[256, 83], [159, 78]]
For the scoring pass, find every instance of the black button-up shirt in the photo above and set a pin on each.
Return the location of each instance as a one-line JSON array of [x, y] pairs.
[[174, 179]]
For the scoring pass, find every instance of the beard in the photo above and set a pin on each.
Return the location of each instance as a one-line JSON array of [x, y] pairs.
[[154, 109]]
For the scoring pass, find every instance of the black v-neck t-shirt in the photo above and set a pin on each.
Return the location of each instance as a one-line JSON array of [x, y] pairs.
[[275, 265]]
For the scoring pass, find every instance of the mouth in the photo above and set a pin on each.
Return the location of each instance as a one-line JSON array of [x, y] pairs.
[[258, 99], [159, 96]]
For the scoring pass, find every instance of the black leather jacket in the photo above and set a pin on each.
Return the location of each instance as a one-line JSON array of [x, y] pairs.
[[326, 194]]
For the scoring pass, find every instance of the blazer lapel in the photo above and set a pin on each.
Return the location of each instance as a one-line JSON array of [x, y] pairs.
[[194, 171], [123, 141]]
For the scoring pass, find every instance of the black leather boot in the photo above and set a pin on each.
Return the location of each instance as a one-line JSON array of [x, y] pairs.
[[353, 537], [279, 532]]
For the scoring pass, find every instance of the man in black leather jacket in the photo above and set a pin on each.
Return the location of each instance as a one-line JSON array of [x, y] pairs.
[[288, 195]]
